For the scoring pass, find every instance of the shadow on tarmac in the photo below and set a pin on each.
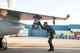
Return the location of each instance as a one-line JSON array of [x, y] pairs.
[[38, 50]]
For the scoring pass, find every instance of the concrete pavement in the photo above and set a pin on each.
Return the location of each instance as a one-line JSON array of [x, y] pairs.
[[40, 45], [39, 41], [39, 50]]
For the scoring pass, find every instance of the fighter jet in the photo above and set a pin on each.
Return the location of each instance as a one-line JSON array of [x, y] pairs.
[[10, 22]]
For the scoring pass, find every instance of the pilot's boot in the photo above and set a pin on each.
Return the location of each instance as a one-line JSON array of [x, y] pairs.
[[51, 45], [51, 48]]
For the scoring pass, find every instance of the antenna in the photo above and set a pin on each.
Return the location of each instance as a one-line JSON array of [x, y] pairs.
[[8, 3]]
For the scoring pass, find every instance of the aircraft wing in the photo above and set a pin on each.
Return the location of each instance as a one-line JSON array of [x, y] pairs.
[[18, 15]]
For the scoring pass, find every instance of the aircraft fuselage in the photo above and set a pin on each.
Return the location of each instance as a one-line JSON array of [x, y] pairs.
[[8, 28]]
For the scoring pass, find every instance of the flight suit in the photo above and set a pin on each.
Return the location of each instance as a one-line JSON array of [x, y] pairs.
[[51, 33]]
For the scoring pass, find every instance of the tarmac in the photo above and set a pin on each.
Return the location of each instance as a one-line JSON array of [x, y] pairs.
[[40, 45], [39, 50]]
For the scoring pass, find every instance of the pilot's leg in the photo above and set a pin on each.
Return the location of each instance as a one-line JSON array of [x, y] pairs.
[[50, 42]]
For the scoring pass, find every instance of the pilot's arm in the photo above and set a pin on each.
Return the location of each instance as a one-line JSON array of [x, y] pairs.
[[41, 25]]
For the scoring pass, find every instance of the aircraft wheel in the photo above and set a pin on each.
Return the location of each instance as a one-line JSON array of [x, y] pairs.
[[4, 43]]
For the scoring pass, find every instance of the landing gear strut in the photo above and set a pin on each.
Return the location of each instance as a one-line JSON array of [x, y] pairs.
[[3, 42]]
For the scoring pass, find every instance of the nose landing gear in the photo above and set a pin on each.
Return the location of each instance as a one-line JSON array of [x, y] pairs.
[[3, 42]]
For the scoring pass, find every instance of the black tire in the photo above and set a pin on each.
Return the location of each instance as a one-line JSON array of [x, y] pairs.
[[4, 43]]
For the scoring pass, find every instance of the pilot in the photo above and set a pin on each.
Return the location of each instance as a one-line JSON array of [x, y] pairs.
[[51, 33]]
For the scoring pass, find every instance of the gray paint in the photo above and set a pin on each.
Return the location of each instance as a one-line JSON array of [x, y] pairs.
[[8, 28], [10, 23], [12, 17]]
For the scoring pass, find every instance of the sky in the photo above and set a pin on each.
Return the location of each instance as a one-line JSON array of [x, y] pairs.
[[58, 8]]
